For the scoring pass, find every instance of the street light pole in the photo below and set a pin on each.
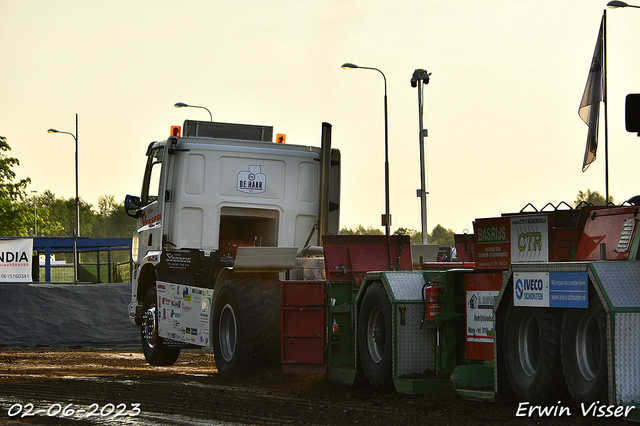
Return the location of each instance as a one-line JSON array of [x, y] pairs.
[[76, 232], [183, 105], [387, 216]]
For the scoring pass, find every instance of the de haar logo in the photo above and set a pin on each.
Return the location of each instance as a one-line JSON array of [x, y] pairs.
[[252, 181]]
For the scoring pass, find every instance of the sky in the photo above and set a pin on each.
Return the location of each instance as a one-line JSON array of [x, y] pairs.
[[501, 107]]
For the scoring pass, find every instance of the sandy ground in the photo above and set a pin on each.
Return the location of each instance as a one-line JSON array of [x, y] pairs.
[[45, 386]]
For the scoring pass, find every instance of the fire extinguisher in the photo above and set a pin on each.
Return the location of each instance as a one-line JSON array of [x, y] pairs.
[[432, 302]]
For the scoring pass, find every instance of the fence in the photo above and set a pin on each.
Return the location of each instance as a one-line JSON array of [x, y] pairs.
[[96, 263]]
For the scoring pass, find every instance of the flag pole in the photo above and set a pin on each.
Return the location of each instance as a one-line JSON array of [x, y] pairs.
[[606, 115]]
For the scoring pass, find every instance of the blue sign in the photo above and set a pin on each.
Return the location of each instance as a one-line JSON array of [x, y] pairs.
[[568, 290]]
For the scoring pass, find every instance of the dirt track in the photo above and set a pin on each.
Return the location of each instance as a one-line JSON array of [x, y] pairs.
[[191, 392]]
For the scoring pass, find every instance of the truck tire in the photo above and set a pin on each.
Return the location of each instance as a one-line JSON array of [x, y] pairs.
[[532, 354], [245, 327], [375, 336], [154, 347], [584, 352]]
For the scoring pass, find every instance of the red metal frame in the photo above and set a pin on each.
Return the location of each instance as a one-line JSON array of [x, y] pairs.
[[303, 327], [350, 257]]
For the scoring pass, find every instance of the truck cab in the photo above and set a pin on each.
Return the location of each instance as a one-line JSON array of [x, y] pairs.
[[223, 199]]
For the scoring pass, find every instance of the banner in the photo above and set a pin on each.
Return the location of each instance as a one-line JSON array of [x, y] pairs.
[[15, 260]]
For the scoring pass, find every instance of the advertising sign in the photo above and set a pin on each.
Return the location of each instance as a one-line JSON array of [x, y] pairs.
[[529, 239], [481, 291], [492, 243], [183, 313], [551, 289], [15, 260]]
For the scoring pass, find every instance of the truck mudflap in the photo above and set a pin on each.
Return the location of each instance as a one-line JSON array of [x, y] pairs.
[[183, 314]]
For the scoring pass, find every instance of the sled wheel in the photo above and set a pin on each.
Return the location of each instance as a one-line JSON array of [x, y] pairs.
[[374, 336], [584, 352], [532, 354]]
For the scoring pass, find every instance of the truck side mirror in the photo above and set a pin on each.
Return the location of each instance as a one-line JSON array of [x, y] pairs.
[[132, 206], [632, 113]]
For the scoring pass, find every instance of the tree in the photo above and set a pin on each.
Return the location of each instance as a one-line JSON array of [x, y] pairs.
[[111, 220], [414, 236], [442, 236], [361, 230], [63, 211], [591, 197], [439, 235], [15, 218]]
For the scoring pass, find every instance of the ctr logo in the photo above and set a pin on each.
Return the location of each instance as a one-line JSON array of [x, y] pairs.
[[519, 289]]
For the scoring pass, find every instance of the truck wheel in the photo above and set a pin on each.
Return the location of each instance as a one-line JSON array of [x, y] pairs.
[[584, 352], [245, 327], [374, 336], [155, 350], [532, 354]]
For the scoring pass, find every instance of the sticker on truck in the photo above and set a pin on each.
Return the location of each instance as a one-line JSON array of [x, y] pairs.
[[183, 313], [551, 289]]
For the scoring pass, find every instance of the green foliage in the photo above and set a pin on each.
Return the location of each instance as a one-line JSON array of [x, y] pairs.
[[591, 197], [415, 236], [440, 235], [15, 219], [110, 221], [361, 230]]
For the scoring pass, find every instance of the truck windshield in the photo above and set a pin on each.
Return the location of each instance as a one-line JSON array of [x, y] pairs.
[[151, 184]]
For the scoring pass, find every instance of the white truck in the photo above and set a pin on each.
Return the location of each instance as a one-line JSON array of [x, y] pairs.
[[223, 213]]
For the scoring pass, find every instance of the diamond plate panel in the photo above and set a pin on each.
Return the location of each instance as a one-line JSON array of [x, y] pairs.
[[415, 347], [627, 357], [621, 282], [405, 286]]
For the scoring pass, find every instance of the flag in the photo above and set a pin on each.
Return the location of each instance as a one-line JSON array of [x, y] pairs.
[[593, 94]]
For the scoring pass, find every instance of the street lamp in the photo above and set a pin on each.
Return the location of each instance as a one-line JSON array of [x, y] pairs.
[[183, 105], [76, 232], [35, 221], [617, 4], [387, 216]]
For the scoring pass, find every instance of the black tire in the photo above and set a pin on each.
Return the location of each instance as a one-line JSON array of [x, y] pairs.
[[532, 354], [584, 352], [375, 342], [154, 348], [245, 327]]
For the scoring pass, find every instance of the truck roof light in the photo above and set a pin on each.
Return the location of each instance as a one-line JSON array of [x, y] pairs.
[[175, 131], [281, 138]]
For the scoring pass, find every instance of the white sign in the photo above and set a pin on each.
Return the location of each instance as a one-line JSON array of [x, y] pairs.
[[15, 260], [183, 313], [529, 239], [480, 315], [531, 289]]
